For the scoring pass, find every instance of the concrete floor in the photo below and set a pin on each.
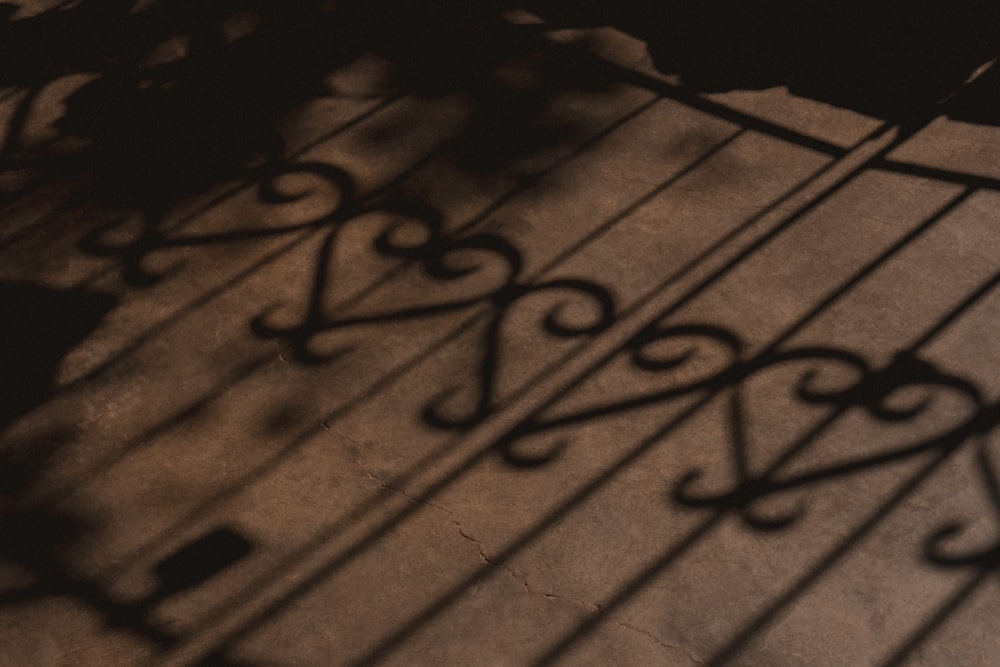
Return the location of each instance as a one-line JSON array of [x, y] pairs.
[[352, 333]]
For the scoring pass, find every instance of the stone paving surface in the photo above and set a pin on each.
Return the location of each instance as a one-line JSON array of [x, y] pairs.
[[341, 333]]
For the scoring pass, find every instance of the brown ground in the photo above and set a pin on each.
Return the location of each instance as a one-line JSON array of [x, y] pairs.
[[341, 333]]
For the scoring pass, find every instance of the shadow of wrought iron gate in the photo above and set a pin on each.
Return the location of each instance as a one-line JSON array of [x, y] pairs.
[[713, 369]]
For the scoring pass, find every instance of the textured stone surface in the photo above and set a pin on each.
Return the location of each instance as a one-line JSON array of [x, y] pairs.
[[353, 333]]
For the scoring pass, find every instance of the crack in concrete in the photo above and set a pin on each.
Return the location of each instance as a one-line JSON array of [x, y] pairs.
[[673, 647], [365, 468], [591, 607], [486, 559]]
